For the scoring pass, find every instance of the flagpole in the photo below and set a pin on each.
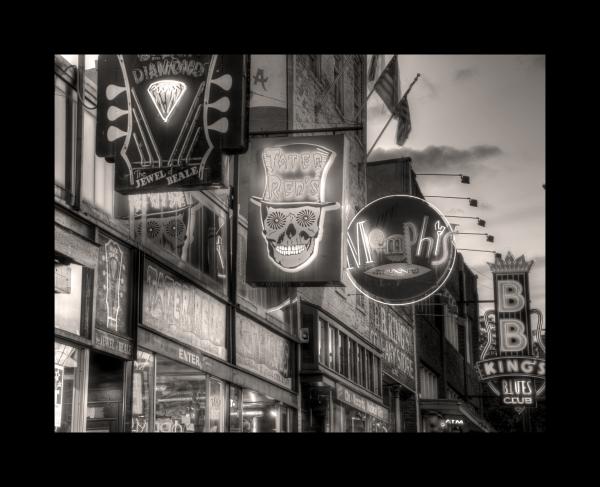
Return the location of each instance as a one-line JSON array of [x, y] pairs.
[[379, 137]]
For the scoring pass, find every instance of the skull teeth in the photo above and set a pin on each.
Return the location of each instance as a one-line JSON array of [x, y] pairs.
[[291, 249]]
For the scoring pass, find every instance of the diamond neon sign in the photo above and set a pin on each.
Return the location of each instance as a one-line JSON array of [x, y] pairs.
[[166, 94]]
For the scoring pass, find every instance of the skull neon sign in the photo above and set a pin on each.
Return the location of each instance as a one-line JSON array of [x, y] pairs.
[[293, 203]]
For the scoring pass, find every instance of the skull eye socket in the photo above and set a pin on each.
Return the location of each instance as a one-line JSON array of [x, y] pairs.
[[276, 220], [306, 218], [153, 229], [175, 228]]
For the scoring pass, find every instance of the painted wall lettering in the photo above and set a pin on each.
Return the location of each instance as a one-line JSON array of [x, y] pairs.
[[182, 311]]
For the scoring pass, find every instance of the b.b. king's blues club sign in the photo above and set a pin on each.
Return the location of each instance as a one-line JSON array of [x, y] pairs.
[[513, 357]]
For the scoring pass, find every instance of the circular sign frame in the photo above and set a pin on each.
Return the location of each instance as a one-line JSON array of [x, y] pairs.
[[396, 266]]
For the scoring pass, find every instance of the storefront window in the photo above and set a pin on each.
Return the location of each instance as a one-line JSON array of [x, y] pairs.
[[105, 394], [235, 409], [216, 406], [66, 385], [359, 365], [330, 346], [180, 398], [188, 225], [356, 422], [344, 355], [322, 342], [260, 413], [67, 299], [143, 370]]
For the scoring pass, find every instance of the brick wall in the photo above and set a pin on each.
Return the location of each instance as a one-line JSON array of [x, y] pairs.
[[314, 106]]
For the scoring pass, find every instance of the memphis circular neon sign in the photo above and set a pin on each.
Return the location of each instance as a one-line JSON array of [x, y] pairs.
[[400, 250]]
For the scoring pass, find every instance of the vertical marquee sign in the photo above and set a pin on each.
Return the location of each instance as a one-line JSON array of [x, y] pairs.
[[165, 119], [513, 361], [294, 215]]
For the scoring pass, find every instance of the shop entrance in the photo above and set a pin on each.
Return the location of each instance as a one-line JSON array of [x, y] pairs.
[[105, 394]]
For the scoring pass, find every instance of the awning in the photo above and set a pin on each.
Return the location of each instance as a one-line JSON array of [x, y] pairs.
[[453, 410]]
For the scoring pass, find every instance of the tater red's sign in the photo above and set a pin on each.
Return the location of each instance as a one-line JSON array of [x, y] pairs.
[[165, 119], [400, 250], [294, 215]]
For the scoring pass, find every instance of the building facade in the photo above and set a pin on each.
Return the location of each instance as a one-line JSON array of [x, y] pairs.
[[157, 330], [447, 329]]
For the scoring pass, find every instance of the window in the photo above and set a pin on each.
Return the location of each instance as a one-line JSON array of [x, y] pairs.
[[73, 286], [359, 365], [428, 384], [216, 406], [338, 79], [330, 346], [450, 327], [352, 360], [314, 63], [368, 370], [468, 340], [344, 355], [105, 394], [338, 351], [67, 386], [376, 384], [322, 342], [452, 394], [261, 413], [358, 83], [180, 398], [188, 225], [141, 408]]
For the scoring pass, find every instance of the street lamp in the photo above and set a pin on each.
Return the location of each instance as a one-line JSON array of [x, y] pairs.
[[489, 238], [480, 222], [463, 179], [472, 202]]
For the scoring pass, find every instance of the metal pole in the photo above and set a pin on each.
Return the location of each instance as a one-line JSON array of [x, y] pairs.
[[380, 134], [306, 131], [76, 201]]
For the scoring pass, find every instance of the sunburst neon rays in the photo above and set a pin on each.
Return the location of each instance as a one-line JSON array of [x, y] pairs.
[[166, 94]]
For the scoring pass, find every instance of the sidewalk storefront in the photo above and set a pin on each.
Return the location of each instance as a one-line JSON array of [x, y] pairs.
[[93, 343], [341, 378], [451, 416]]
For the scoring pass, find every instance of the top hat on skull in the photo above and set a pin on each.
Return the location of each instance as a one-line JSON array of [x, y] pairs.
[[292, 202]]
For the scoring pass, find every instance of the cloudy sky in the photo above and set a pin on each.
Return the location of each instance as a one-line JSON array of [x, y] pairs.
[[482, 116]]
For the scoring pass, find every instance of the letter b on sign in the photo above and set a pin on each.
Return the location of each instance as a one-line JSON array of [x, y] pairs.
[[512, 335], [510, 296]]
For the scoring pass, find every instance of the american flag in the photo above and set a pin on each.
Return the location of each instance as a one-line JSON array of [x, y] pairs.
[[388, 88], [404, 125], [388, 85]]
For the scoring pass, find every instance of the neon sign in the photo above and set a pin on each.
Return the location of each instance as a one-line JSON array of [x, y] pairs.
[[400, 250], [166, 94], [300, 186], [513, 357], [164, 119]]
